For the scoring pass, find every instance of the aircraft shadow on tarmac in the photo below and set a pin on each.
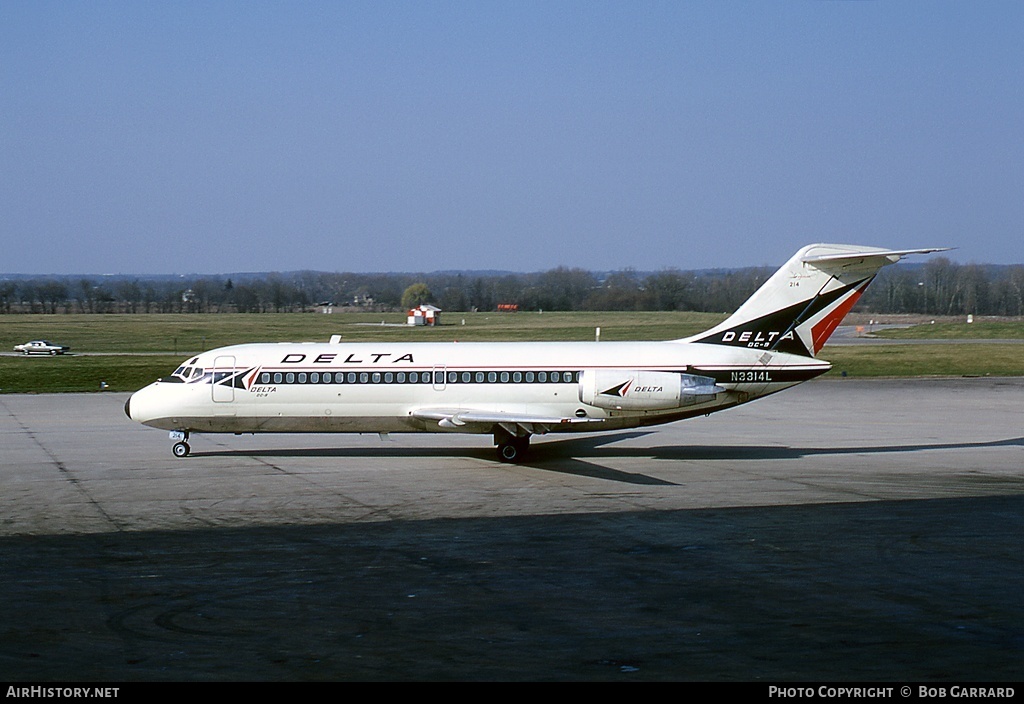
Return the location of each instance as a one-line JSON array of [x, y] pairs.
[[573, 455]]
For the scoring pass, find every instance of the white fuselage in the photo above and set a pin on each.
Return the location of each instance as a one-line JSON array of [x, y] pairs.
[[408, 387], [515, 390]]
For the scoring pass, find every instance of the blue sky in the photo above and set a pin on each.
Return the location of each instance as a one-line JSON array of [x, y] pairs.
[[216, 137]]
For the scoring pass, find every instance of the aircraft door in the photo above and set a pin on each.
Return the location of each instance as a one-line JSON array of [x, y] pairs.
[[223, 388]]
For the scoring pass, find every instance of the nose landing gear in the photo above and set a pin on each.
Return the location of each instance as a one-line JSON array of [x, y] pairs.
[[181, 447]]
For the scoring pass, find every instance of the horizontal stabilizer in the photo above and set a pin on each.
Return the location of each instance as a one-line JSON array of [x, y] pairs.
[[859, 253]]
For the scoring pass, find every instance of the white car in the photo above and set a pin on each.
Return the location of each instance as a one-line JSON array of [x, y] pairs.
[[41, 347]]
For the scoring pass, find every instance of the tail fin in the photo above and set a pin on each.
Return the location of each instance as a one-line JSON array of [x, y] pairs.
[[799, 307]]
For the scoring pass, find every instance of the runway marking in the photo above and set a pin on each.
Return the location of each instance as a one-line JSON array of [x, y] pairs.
[[62, 469], [372, 512]]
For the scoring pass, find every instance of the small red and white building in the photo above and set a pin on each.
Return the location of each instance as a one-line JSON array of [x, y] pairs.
[[424, 315]]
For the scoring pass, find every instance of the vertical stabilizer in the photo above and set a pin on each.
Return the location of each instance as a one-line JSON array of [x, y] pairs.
[[802, 304]]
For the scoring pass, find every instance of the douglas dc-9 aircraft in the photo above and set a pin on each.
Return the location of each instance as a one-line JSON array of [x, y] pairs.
[[513, 390]]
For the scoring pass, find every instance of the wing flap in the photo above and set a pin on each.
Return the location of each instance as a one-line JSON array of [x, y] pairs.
[[456, 419]]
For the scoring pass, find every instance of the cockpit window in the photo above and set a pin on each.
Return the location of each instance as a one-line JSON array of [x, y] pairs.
[[188, 373]]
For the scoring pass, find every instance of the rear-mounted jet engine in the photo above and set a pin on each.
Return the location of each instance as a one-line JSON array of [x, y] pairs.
[[634, 390]]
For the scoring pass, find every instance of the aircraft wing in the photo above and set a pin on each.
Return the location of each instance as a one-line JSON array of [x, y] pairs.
[[524, 423]]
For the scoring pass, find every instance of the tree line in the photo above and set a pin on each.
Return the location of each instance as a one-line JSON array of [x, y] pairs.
[[937, 287]]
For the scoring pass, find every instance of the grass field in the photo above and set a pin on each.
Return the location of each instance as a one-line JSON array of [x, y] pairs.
[[954, 359], [984, 329], [189, 334], [126, 352]]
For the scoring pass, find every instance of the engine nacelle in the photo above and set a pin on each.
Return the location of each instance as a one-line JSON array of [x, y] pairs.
[[634, 390]]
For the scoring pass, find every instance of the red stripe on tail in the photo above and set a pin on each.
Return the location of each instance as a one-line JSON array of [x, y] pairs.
[[827, 325]]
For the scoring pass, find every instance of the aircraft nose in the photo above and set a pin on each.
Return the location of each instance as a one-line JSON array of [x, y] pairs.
[[147, 406]]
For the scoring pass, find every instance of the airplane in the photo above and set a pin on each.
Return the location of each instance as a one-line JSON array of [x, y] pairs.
[[515, 390]]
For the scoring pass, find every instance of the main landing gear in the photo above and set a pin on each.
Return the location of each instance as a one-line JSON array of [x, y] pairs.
[[511, 448], [181, 447]]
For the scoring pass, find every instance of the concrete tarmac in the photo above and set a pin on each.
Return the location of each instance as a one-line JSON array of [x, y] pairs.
[[844, 530]]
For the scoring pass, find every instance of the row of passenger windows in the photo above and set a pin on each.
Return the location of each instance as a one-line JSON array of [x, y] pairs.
[[437, 377]]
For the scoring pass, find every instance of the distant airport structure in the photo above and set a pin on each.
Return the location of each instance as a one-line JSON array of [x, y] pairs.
[[424, 315]]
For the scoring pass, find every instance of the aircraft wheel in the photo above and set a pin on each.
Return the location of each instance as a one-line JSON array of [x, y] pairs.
[[514, 450], [181, 449]]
